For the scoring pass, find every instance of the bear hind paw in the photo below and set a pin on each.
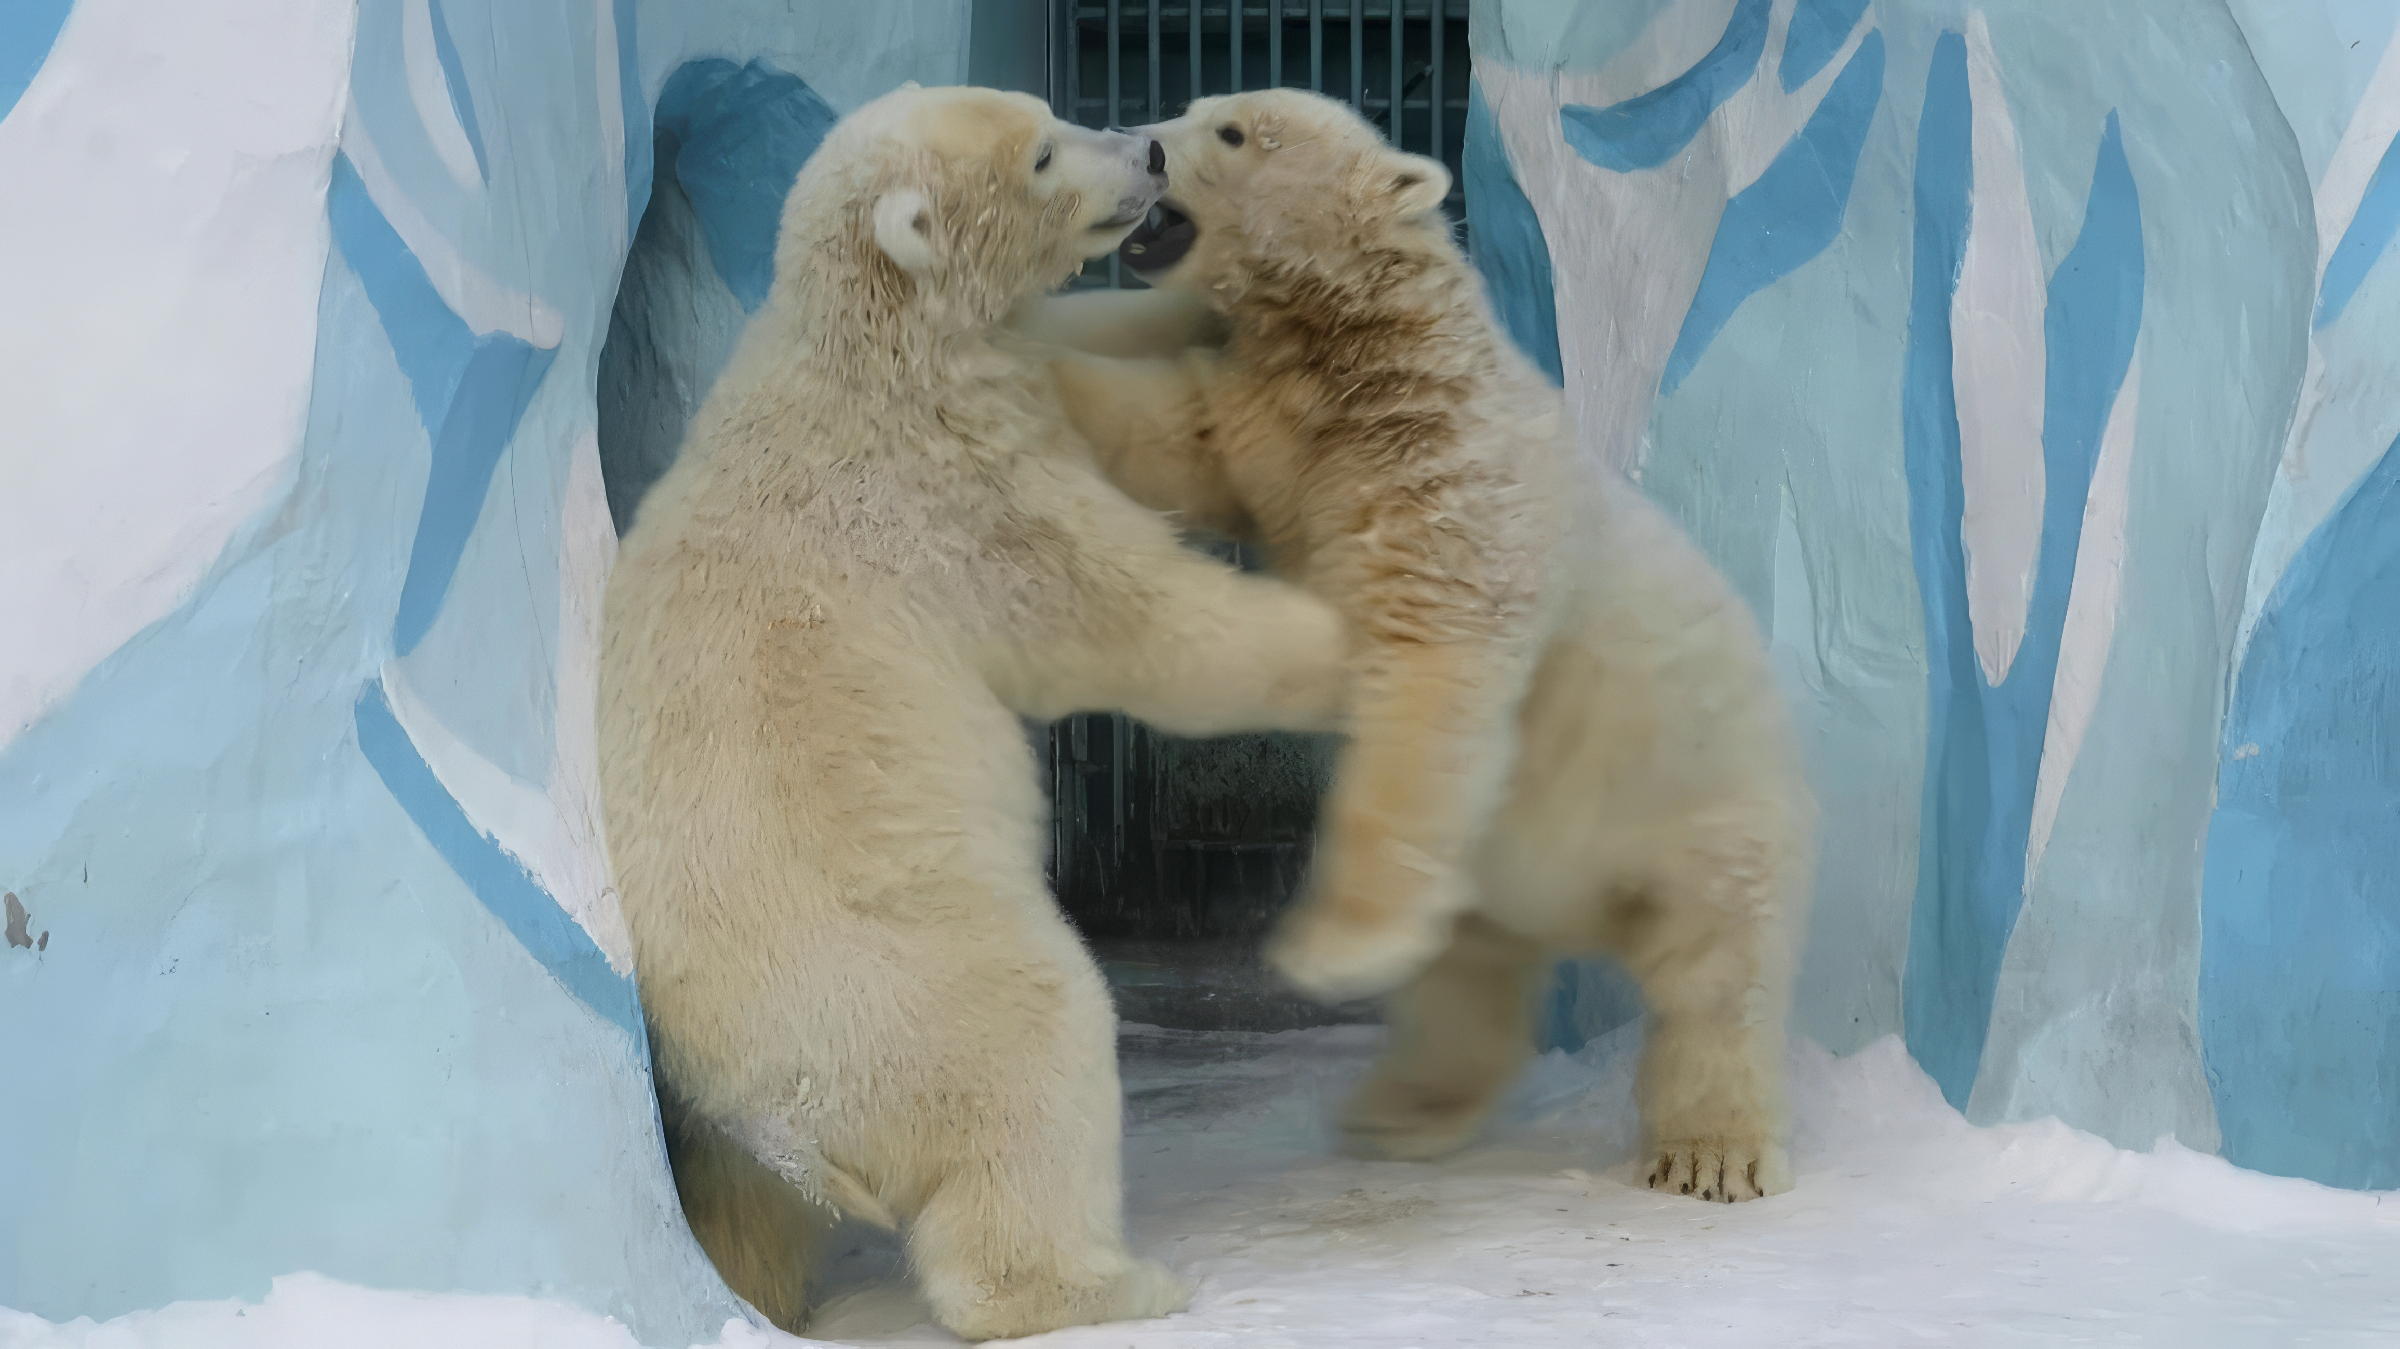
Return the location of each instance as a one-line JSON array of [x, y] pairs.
[[1141, 1291], [1720, 1170]]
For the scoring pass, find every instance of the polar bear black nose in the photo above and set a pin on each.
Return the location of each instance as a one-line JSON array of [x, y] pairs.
[[1158, 157]]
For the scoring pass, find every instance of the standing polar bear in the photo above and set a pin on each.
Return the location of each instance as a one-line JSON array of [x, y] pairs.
[[880, 546], [1566, 736]]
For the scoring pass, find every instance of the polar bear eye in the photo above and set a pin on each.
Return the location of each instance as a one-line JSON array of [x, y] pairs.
[[1231, 135], [1043, 162]]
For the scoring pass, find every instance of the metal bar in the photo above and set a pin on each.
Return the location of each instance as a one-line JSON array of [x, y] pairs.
[[1071, 30], [1116, 111], [1392, 104], [1150, 11], [1433, 103], [1116, 778], [1358, 56], [1060, 805], [1116, 48], [1192, 49], [1274, 44], [1233, 30], [1316, 46]]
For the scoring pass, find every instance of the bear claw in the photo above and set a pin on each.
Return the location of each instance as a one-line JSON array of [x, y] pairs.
[[1720, 1171]]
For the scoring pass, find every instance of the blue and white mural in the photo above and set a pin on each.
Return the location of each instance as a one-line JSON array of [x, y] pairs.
[[300, 563], [2032, 369], [2029, 366]]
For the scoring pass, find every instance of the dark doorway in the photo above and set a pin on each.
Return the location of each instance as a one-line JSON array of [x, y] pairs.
[[1172, 855]]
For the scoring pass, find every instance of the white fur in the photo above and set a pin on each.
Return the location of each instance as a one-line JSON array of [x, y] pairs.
[[1567, 738], [880, 547], [902, 228]]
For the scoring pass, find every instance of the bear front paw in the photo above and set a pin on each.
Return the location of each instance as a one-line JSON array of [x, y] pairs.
[[1721, 1170], [1333, 956], [1145, 1291]]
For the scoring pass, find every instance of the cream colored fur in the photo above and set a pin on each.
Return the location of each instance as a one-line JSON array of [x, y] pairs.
[[1566, 737], [882, 545]]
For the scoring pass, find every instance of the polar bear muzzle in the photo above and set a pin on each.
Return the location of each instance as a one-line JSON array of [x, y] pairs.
[[1150, 161]]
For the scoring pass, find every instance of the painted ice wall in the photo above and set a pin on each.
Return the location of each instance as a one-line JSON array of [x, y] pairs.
[[311, 960], [2034, 370]]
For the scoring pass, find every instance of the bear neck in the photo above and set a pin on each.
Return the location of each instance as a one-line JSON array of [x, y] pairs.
[[1332, 320], [870, 327]]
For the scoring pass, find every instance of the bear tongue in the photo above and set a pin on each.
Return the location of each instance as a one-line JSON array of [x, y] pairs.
[[1160, 241]]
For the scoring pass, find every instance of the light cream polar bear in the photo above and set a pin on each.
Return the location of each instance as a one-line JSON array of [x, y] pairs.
[[1566, 736], [880, 546]]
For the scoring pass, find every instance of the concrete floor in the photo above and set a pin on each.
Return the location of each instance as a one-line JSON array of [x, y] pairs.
[[1211, 985]]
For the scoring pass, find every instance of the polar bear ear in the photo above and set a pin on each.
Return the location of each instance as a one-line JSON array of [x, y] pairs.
[[1409, 185], [904, 230]]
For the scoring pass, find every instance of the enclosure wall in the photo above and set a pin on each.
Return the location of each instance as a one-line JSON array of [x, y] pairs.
[[2034, 371], [312, 959]]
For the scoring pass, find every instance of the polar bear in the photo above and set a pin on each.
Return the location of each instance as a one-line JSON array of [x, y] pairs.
[[882, 545], [1566, 736]]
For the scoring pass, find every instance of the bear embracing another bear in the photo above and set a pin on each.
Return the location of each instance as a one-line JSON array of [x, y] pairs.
[[1566, 736], [880, 547]]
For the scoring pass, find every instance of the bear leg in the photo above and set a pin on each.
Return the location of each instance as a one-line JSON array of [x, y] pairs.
[[1709, 946], [1000, 1162], [1460, 1034], [1021, 1233], [1430, 751], [758, 1229]]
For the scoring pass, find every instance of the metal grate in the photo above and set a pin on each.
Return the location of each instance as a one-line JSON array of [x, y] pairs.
[[1157, 836], [1127, 62]]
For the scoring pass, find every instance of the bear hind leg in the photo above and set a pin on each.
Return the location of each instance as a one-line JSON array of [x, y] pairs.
[[1461, 1032], [1016, 1233], [1020, 1233], [1710, 949], [758, 1229]]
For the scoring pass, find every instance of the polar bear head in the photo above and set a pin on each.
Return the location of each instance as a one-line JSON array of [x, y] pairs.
[[954, 203], [1280, 180]]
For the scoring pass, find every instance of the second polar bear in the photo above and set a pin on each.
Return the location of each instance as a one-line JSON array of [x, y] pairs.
[[880, 546], [1566, 734]]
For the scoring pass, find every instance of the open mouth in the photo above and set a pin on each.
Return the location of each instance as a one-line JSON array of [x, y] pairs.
[[1160, 241], [1121, 219]]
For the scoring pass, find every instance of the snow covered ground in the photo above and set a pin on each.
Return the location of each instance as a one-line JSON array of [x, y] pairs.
[[1908, 1227]]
